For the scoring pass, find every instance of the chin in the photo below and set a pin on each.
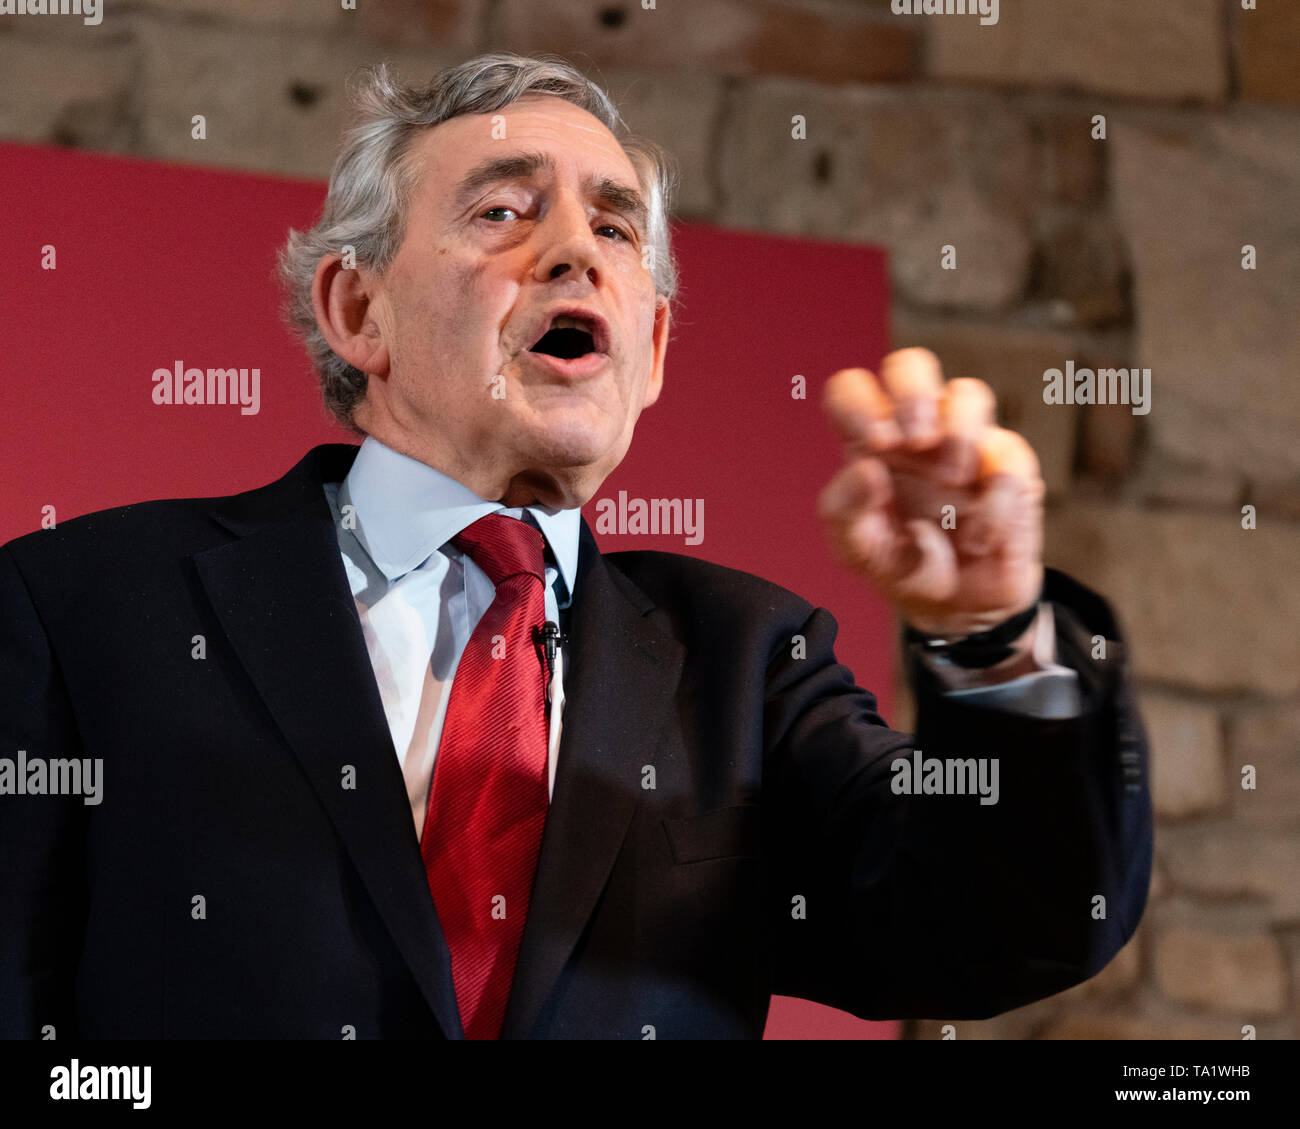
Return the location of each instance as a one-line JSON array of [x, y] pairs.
[[572, 443]]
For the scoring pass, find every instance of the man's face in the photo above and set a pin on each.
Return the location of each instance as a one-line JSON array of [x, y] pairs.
[[484, 265]]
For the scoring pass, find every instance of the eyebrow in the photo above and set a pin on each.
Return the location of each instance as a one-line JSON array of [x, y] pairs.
[[520, 166]]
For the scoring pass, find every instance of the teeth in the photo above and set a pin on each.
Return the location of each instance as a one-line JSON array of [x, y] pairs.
[[566, 322]]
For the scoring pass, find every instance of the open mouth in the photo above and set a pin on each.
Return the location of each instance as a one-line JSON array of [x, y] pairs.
[[567, 338]]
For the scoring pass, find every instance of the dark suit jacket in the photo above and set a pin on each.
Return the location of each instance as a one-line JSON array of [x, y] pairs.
[[672, 907]]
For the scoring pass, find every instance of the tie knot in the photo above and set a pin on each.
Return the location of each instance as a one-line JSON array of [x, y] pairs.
[[503, 546]]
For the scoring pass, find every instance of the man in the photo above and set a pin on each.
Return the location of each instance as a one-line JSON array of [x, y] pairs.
[[390, 749]]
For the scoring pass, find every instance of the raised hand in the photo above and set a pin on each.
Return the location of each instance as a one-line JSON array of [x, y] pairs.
[[937, 506]]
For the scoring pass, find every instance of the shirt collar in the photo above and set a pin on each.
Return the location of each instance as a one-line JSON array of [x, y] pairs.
[[406, 511]]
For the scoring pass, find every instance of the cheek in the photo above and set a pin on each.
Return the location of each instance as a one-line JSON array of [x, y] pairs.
[[629, 266], [452, 315], [645, 336], [638, 323], [478, 302]]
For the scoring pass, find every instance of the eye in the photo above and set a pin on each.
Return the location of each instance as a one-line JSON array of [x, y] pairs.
[[498, 208], [616, 230]]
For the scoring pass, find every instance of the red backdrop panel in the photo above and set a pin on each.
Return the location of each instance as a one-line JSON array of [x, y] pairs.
[[156, 264]]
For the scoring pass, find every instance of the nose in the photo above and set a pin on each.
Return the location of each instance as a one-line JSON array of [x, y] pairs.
[[568, 245]]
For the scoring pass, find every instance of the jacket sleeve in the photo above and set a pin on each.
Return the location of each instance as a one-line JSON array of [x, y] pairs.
[[43, 889], [940, 905]]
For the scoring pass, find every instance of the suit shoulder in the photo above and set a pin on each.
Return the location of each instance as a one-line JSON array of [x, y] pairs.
[[137, 523], [164, 524], [98, 528], [120, 535], [676, 580]]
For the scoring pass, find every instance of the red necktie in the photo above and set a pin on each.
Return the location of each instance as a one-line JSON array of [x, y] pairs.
[[488, 799]]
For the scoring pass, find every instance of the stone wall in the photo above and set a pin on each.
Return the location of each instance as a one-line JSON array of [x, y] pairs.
[[926, 131]]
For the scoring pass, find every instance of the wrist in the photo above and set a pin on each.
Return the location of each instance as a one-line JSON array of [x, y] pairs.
[[1027, 656], [995, 646]]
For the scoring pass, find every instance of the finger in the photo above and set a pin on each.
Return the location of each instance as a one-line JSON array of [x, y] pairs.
[[914, 560], [854, 508], [913, 563], [969, 410], [861, 412], [1013, 507], [1006, 452], [913, 379], [1006, 511], [863, 485], [982, 522]]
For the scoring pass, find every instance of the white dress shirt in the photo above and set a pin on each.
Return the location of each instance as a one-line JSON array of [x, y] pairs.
[[419, 597]]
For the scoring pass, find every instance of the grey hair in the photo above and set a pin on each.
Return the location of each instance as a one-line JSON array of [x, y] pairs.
[[374, 178]]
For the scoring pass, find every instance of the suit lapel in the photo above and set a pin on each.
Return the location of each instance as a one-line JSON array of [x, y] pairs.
[[283, 598], [619, 689]]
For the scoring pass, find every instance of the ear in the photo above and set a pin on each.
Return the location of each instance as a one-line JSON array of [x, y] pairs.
[[663, 317], [343, 301]]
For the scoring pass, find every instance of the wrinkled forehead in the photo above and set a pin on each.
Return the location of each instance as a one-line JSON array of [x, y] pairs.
[[572, 142]]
